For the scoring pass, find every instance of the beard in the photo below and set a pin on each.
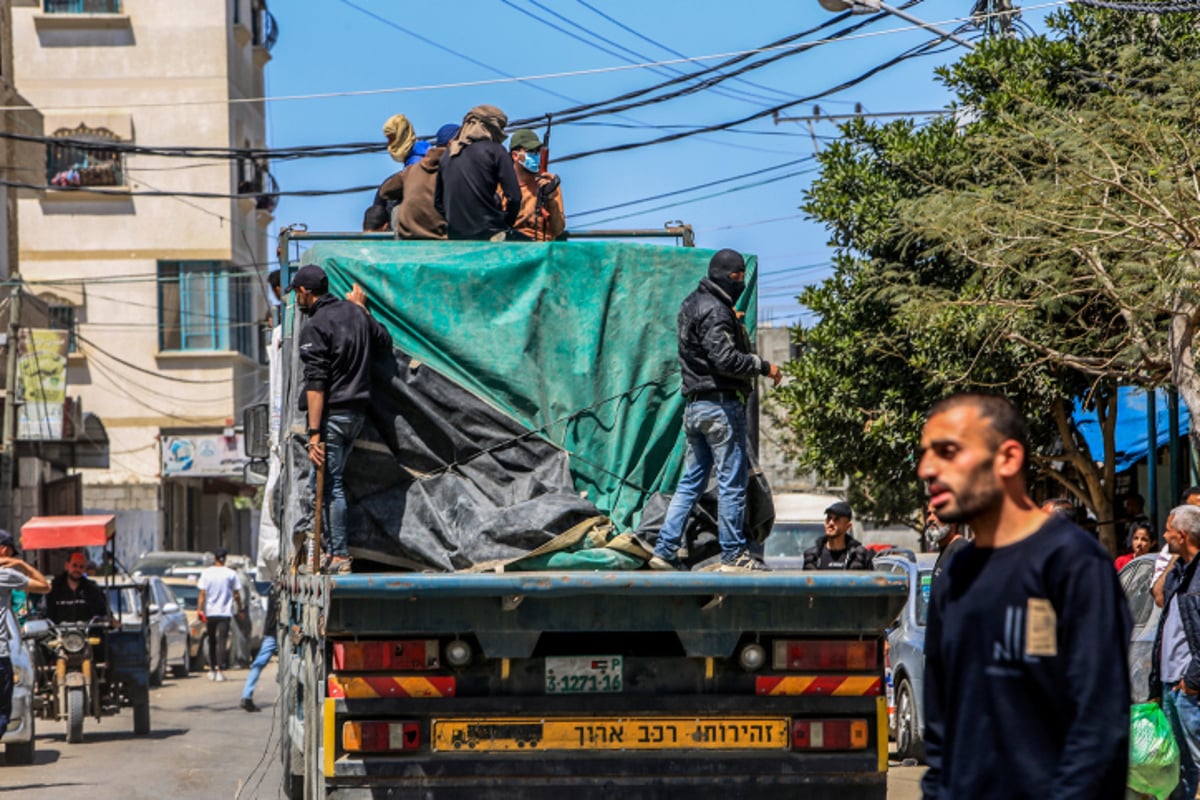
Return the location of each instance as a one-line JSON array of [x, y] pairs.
[[982, 493]]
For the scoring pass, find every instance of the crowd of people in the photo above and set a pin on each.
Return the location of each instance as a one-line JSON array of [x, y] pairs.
[[464, 185]]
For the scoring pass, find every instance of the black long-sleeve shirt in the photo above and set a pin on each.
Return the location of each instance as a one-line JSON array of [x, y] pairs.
[[1026, 675], [466, 191], [337, 345]]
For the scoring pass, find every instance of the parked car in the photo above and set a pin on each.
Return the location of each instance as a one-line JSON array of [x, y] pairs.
[[187, 593], [18, 740], [174, 652], [906, 651], [1135, 582], [160, 562]]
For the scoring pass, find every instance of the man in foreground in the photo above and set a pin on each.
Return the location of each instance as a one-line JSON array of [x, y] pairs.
[[1026, 677]]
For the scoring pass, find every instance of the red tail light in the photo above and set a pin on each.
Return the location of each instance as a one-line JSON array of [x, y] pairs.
[[380, 737], [829, 734], [406, 654], [792, 655]]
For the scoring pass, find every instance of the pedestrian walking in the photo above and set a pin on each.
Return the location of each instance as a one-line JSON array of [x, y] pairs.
[[219, 599], [15, 575], [718, 376], [1175, 671], [269, 647], [1026, 675]]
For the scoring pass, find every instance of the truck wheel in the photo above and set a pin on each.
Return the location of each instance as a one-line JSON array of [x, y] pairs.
[[141, 718], [21, 752], [908, 737], [75, 706]]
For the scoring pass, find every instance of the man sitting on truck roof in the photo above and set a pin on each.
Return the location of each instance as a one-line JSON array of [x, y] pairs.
[[838, 549], [541, 218], [411, 192], [474, 165], [337, 345]]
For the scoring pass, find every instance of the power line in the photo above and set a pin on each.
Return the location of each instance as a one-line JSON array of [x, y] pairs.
[[202, 195]]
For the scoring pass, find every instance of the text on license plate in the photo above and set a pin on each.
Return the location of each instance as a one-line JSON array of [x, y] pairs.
[[584, 674], [611, 733]]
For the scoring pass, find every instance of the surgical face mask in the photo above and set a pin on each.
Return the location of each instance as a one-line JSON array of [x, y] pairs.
[[935, 533], [532, 161]]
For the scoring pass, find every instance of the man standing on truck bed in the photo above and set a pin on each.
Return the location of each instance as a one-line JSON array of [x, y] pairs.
[[476, 163], [1026, 677], [718, 376], [337, 345]]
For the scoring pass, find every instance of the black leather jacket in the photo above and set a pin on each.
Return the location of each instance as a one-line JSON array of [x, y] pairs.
[[714, 348], [1180, 584], [857, 556]]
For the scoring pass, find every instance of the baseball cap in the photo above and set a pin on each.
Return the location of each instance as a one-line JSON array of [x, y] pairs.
[[840, 509], [525, 139], [6, 538], [310, 277], [220, 554]]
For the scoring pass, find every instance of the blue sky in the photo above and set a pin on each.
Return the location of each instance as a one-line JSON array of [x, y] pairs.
[[332, 46]]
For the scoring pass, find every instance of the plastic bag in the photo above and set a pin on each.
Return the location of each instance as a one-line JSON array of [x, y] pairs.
[[1153, 752]]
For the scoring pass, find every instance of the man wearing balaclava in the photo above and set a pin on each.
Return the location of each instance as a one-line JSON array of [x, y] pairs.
[[476, 163], [718, 376]]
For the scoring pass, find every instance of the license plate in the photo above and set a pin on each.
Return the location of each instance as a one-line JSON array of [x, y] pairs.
[[584, 674], [610, 733]]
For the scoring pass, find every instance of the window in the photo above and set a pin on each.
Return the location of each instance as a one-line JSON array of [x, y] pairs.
[[83, 160], [62, 318], [82, 6], [202, 305]]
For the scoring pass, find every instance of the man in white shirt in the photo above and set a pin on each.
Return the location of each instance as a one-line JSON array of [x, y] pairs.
[[218, 600]]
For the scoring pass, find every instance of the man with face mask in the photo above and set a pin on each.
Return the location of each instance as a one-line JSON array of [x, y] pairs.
[[542, 218], [718, 375], [338, 342]]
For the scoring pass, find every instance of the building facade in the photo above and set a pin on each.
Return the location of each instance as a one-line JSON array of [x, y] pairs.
[[153, 255]]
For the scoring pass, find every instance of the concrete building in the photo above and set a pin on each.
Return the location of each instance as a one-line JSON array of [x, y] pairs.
[[164, 294]]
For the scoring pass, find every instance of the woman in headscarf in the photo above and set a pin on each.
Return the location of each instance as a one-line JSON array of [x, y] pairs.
[[475, 164]]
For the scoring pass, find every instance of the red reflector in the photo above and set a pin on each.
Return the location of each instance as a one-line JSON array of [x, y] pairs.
[[829, 734], [380, 737], [406, 654], [790, 654]]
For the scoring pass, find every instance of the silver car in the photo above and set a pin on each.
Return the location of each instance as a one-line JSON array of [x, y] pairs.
[[19, 738], [906, 651], [1135, 582], [173, 650]]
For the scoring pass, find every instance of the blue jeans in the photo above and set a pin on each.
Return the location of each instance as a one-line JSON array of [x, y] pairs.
[[716, 434], [1183, 712], [341, 428], [269, 647]]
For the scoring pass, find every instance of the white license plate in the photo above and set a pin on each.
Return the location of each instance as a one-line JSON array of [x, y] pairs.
[[584, 674]]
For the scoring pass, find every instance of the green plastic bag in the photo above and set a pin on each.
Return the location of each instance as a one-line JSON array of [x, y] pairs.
[[1153, 752]]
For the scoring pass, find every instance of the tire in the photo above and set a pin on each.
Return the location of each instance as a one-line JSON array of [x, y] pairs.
[[160, 669], [908, 736], [141, 718], [21, 752], [75, 713], [182, 670]]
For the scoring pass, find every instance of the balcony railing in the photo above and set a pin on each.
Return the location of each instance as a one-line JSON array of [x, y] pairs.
[[81, 6], [261, 184], [85, 157]]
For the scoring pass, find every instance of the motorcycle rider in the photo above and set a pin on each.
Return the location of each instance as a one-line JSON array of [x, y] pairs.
[[74, 597]]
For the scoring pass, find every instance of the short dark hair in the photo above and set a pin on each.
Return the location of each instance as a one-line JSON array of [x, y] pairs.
[[1003, 418], [1188, 492], [374, 218], [273, 279]]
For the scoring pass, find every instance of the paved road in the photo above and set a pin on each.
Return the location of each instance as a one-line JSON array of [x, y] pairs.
[[201, 746]]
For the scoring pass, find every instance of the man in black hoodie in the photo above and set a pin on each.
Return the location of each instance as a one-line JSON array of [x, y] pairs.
[[337, 345], [718, 376]]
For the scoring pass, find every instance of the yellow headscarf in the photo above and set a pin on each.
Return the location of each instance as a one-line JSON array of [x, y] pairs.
[[403, 137]]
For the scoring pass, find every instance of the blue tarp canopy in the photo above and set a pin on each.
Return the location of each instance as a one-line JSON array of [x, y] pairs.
[[1130, 432]]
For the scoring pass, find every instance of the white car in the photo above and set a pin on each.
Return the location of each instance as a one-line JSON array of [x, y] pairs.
[[19, 738]]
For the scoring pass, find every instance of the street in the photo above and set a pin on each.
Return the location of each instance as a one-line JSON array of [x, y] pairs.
[[201, 746]]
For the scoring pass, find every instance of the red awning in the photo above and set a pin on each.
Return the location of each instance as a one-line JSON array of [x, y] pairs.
[[48, 533]]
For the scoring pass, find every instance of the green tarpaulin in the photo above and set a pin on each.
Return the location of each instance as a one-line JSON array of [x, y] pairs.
[[574, 340]]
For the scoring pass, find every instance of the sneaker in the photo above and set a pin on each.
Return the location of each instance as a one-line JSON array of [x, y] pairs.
[[744, 563], [661, 564], [339, 565], [220, 677], [248, 705], [212, 676]]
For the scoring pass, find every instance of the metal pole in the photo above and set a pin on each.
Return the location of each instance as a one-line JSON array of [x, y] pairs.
[[1152, 457], [7, 454]]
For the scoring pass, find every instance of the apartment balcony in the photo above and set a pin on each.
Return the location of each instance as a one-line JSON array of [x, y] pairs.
[[81, 6]]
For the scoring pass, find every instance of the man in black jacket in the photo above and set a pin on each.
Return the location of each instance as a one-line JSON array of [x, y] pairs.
[[718, 375], [1175, 671], [838, 549], [474, 165], [337, 345]]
